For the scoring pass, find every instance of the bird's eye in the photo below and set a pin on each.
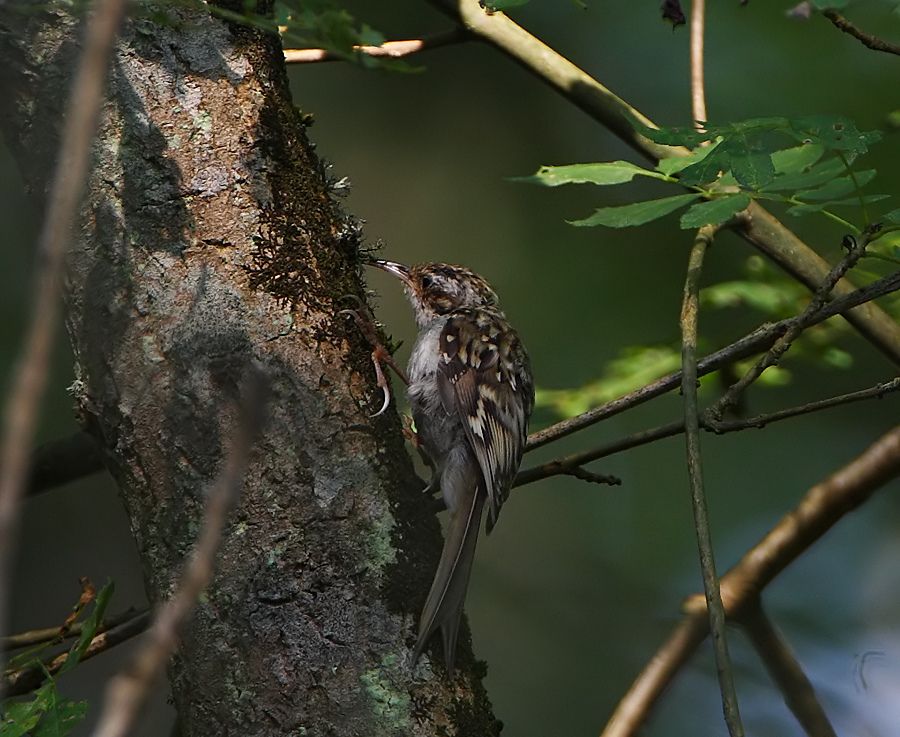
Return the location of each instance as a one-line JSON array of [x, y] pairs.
[[427, 282]]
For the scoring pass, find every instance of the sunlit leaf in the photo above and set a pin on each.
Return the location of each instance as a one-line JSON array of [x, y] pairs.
[[798, 159], [674, 164], [715, 211], [638, 213], [817, 175], [611, 172]]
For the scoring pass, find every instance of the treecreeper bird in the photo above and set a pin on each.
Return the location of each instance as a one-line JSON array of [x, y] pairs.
[[471, 392]]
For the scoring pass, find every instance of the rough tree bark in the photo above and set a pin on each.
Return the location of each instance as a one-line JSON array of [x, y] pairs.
[[211, 242]]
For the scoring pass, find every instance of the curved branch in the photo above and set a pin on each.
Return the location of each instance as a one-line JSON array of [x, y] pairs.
[[820, 509]]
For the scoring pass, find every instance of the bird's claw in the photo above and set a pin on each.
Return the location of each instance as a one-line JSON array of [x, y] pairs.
[[366, 324]]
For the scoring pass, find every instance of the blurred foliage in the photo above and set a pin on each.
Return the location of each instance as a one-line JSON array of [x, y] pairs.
[[46, 714]]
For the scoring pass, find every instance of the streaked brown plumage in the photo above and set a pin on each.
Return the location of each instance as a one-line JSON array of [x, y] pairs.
[[471, 392]]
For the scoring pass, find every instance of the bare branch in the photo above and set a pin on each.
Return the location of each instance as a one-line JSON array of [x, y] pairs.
[[758, 340], [49, 634], [771, 358], [874, 392], [27, 679], [799, 694], [690, 313], [27, 387], [62, 461], [644, 437], [389, 49], [821, 508], [127, 692], [867, 39]]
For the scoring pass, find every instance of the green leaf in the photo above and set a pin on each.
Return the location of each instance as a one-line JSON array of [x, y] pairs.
[[612, 172], [61, 718], [835, 133], [674, 164], [636, 213], [715, 211], [89, 628], [19, 718], [798, 159], [892, 217], [810, 207], [837, 188], [753, 170], [816, 176]]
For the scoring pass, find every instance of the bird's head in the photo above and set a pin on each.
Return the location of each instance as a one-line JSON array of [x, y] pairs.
[[436, 289]]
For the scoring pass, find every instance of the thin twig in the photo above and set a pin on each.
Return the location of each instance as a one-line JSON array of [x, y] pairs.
[[390, 49], [127, 692], [759, 227], [82, 112], [698, 87], [27, 679], [786, 671], [820, 509], [690, 311], [867, 39], [62, 461], [565, 464], [873, 392], [856, 250], [661, 432], [49, 634], [758, 340]]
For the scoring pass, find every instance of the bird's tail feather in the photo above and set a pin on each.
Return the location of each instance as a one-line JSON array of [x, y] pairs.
[[444, 605]]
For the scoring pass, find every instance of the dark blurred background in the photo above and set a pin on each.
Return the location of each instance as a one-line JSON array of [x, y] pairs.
[[579, 584]]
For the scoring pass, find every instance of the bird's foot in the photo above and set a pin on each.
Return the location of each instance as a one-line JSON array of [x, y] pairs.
[[380, 355]]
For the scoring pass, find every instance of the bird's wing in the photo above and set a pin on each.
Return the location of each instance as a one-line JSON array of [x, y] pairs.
[[485, 379]]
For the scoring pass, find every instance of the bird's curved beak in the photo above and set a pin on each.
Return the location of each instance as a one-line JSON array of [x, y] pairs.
[[392, 267]]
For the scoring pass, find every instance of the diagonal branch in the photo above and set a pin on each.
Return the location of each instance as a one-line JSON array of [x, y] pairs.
[[27, 679], [867, 39], [566, 464], [760, 339], [759, 228], [799, 694], [729, 399], [819, 510]]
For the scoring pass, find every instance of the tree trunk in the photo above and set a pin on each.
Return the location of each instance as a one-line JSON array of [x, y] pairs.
[[210, 242]]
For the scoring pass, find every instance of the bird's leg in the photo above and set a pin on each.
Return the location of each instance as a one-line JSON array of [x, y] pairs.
[[434, 483], [380, 354]]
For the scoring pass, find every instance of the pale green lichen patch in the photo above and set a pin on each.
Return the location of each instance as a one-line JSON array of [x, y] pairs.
[[390, 702], [381, 550]]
